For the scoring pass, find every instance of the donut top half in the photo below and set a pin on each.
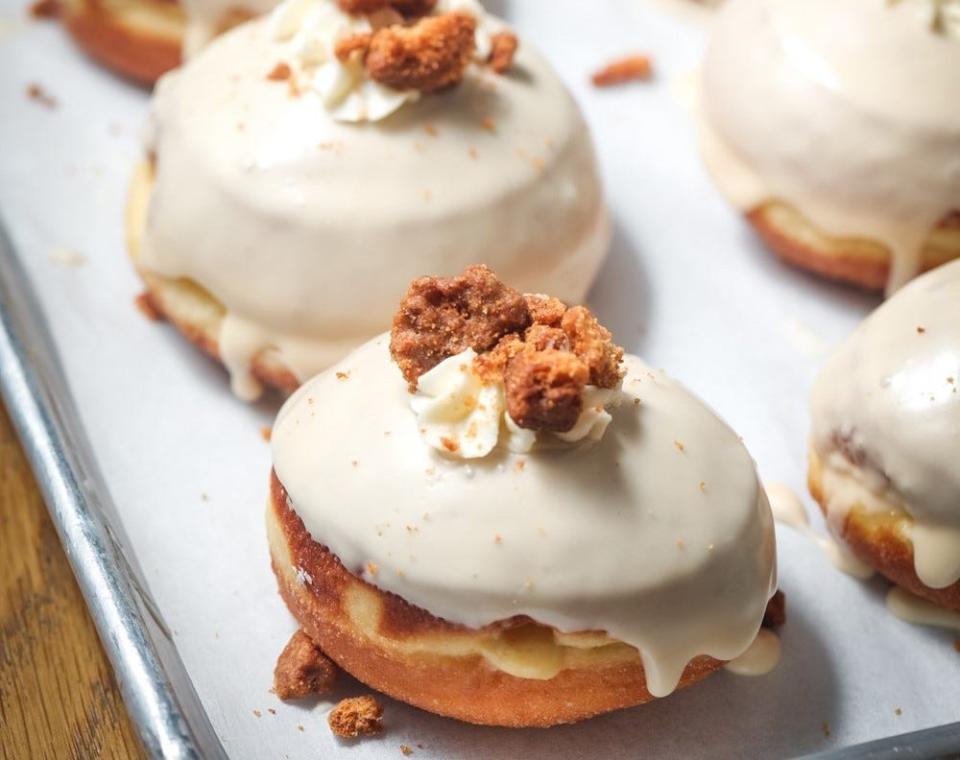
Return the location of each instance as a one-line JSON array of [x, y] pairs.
[[304, 202], [643, 519], [845, 110], [886, 419]]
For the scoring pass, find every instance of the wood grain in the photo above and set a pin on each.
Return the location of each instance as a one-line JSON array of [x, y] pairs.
[[58, 698]]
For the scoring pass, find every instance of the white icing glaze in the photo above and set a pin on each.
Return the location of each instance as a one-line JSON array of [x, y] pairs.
[[459, 414], [788, 510], [308, 230], [913, 609], [847, 111], [761, 657], [670, 549], [891, 394]]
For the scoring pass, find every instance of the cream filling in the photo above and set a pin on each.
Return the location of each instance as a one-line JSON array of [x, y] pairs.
[[862, 143], [668, 549]]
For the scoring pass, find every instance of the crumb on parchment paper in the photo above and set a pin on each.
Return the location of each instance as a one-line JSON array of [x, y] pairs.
[[303, 670], [356, 717], [630, 68]]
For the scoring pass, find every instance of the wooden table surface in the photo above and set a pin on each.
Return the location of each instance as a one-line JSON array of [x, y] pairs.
[[58, 697]]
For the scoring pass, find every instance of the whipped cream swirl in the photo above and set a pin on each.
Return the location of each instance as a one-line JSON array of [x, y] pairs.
[[463, 416], [310, 30]]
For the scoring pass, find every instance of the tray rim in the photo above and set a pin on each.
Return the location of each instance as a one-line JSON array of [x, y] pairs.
[[163, 704], [160, 698]]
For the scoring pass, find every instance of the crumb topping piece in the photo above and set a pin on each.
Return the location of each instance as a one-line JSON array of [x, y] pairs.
[[429, 55], [629, 69], [544, 353], [503, 46], [544, 389], [303, 670], [441, 316], [358, 716]]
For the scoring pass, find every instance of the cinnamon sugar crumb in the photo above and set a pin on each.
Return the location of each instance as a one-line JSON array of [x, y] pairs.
[[898, 711], [497, 538], [921, 330], [271, 711], [46, 9], [544, 389], [258, 713], [302, 669], [631, 68], [544, 353], [144, 302], [679, 446], [373, 568], [503, 46], [279, 73], [488, 124], [343, 375], [450, 444], [358, 716], [703, 487], [36, 93], [266, 432], [432, 54], [473, 153], [431, 130], [440, 317], [406, 749]]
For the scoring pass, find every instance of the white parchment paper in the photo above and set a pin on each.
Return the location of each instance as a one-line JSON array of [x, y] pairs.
[[687, 286]]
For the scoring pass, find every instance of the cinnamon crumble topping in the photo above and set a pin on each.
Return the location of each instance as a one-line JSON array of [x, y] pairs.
[[279, 73], [46, 9], [429, 55], [358, 716], [440, 317], [544, 389], [302, 669], [503, 46], [544, 353], [628, 69]]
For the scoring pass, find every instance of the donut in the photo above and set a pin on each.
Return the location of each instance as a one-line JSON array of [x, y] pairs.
[[137, 38], [837, 151], [144, 39], [469, 547], [886, 432], [294, 213]]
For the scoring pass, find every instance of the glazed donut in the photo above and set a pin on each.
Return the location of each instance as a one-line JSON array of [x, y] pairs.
[[474, 549], [491, 675], [841, 156], [886, 437], [278, 220]]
